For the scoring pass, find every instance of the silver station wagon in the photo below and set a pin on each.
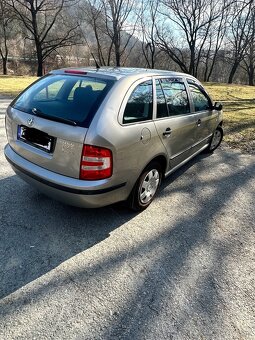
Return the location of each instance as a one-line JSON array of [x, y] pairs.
[[93, 137]]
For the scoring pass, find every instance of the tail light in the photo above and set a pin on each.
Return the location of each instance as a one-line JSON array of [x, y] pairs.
[[96, 163]]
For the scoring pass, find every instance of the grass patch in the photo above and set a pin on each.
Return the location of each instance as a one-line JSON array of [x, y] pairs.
[[12, 86], [238, 107], [239, 113]]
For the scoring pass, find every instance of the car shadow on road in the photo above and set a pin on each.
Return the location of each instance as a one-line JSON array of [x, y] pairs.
[[38, 233], [185, 260], [187, 279]]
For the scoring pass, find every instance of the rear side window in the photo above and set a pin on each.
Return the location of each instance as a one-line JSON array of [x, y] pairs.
[[75, 98], [49, 92], [91, 85], [139, 105], [176, 97], [200, 100], [162, 110]]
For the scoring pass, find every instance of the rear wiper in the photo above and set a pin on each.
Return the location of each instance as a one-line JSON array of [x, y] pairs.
[[39, 113]]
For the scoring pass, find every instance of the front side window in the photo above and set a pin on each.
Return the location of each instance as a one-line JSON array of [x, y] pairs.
[[71, 97], [200, 99], [139, 105], [176, 97]]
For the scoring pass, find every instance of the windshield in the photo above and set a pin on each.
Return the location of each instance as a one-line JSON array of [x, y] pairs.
[[72, 98]]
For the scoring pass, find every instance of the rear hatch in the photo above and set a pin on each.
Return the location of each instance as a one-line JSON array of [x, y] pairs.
[[48, 122]]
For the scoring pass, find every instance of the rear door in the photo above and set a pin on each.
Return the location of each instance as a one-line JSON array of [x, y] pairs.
[[174, 122], [202, 109], [137, 140]]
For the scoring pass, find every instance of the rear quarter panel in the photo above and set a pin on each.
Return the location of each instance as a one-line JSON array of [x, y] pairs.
[[131, 153]]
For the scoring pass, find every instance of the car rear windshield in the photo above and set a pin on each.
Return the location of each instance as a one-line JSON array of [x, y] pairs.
[[70, 98]]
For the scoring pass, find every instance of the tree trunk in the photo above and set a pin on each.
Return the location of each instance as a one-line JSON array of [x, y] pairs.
[[192, 59], [251, 66], [251, 76], [5, 71], [153, 51], [152, 62], [38, 42], [116, 43], [205, 78], [39, 61], [233, 72], [40, 68], [117, 54]]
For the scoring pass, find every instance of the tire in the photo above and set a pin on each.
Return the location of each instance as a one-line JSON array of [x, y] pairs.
[[146, 187], [215, 140]]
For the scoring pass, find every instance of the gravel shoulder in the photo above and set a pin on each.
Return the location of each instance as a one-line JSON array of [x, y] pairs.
[[182, 269]]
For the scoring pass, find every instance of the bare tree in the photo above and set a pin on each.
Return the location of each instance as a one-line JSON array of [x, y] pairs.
[[40, 19], [148, 20], [215, 40], [92, 24], [6, 19], [192, 20], [113, 23], [240, 33], [117, 14], [249, 63]]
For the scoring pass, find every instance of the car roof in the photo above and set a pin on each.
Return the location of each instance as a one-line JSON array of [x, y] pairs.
[[119, 72]]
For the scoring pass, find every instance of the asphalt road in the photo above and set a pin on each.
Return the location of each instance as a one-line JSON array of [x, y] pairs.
[[182, 269]]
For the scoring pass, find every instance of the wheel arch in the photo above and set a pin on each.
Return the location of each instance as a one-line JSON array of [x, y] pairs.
[[132, 199], [161, 159]]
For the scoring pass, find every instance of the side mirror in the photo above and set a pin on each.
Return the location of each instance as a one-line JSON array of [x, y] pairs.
[[218, 106]]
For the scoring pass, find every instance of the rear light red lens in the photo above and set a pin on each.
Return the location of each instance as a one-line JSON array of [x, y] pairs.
[[96, 163]]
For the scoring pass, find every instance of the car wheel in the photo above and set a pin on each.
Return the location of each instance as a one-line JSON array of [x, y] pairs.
[[216, 139], [146, 187]]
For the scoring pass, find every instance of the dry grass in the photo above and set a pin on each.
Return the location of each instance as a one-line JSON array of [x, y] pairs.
[[239, 113], [12, 86], [238, 102]]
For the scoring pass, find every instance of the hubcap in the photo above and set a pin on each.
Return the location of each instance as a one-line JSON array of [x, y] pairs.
[[216, 139], [149, 186]]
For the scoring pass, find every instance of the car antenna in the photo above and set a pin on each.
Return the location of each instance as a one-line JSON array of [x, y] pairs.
[[97, 65], [92, 54]]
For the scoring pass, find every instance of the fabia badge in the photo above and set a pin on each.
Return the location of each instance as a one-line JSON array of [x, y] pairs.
[[30, 121]]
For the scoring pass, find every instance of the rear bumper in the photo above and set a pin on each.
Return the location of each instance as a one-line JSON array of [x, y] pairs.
[[72, 191]]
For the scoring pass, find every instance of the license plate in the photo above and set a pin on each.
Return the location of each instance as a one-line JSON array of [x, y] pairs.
[[37, 138]]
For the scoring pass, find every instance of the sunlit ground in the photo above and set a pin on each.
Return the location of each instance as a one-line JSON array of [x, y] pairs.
[[239, 113], [12, 86]]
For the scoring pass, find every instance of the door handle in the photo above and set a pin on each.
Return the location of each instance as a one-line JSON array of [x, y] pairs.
[[167, 133], [199, 122]]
